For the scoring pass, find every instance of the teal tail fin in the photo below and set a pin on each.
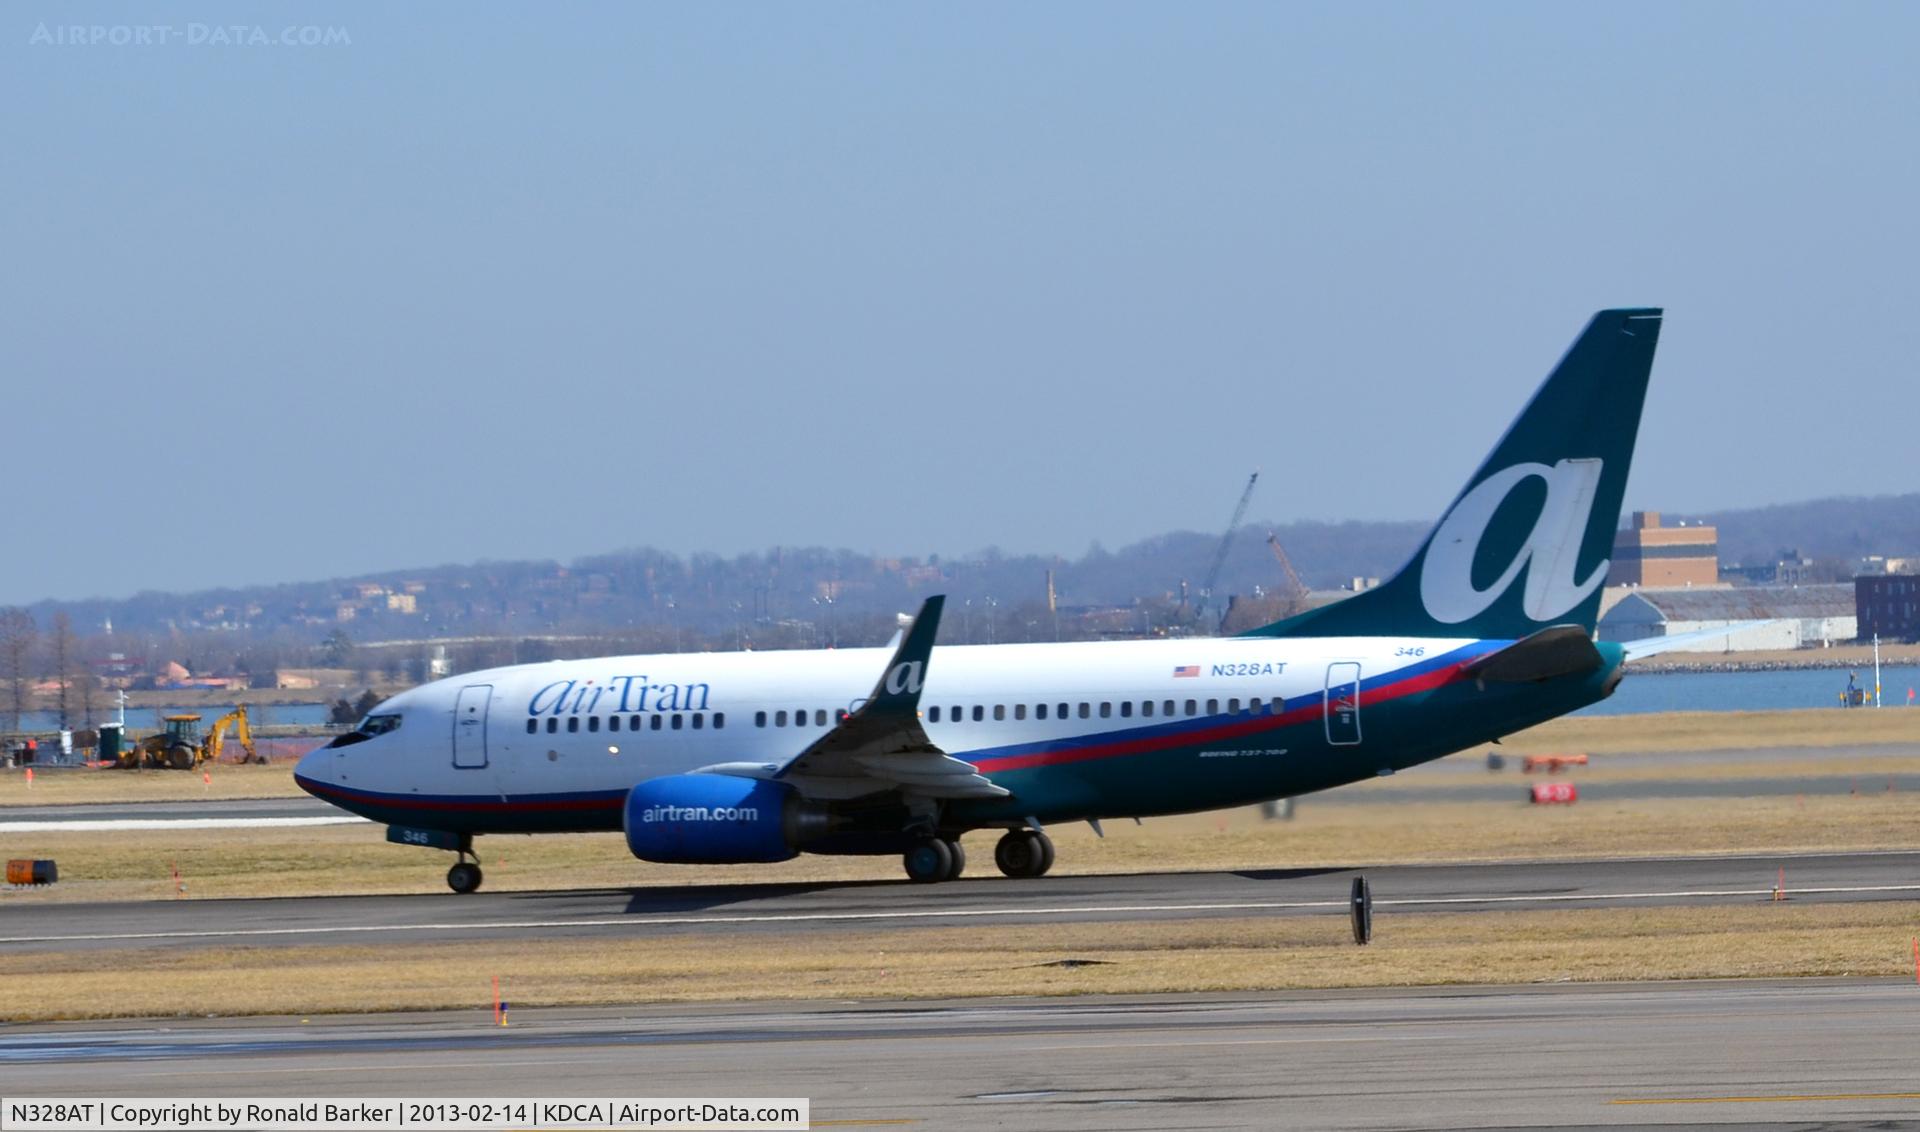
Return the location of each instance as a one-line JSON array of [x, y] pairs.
[[1526, 544]]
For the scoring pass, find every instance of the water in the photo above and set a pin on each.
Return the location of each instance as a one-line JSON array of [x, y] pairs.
[[148, 719], [1752, 691]]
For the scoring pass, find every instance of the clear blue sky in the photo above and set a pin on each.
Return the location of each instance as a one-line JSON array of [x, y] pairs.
[[539, 282]]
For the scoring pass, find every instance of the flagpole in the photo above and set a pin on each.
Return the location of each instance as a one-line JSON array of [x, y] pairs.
[[1876, 670]]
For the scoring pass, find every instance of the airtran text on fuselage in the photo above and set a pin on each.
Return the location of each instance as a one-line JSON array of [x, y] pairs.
[[621, 694]]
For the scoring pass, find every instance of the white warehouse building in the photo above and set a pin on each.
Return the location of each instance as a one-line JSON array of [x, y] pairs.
[[1755, 617]]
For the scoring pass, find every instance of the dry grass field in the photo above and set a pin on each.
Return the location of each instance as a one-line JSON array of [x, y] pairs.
[[76, 786], [1770, 940], [1721, 731]]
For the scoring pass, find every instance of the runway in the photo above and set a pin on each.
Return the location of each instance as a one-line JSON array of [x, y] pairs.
[[162, 811], [991, 899], [1515, 789], [1832, 1054], [106, 817]]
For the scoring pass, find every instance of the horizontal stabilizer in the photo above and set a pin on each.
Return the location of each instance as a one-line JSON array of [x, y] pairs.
[[1558, 650], [1652, 646]]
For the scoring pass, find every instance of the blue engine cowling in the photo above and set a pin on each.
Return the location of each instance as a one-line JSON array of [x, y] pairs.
[[711, 819]]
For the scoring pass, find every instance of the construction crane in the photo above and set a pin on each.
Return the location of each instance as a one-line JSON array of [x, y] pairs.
[[1220, 553], [1296, 590]]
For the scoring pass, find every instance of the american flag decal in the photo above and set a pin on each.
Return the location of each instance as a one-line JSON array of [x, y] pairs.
[[1187, 670]]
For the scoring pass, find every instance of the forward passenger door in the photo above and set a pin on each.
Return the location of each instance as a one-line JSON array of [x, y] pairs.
[[470, 727]]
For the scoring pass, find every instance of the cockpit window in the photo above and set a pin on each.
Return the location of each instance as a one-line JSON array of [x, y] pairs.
[[369, 727], [379, 725]]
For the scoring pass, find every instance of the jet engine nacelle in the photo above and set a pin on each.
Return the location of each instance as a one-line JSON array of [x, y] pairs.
[[717, 819]]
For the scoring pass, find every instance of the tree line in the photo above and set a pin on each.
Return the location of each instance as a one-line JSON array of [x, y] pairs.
[[29, 657]]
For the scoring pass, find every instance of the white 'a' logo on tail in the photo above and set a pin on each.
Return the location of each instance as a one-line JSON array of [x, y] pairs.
[[1549, 556], [904, 678]]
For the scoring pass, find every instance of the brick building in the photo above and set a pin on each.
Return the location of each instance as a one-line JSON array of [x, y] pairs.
[[1648, 554]]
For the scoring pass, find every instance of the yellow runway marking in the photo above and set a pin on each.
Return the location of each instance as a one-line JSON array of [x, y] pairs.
[[1768, 1100]]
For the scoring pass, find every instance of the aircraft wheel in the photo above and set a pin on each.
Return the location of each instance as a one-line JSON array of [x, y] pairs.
[[1024, 853], [928, 861], [464, 877], [959, 854]]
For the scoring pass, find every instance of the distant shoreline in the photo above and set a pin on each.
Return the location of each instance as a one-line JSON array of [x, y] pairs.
[[1840, 657], [252, 697]]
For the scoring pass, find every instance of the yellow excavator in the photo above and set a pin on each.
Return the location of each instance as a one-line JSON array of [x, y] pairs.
[[180, 746]]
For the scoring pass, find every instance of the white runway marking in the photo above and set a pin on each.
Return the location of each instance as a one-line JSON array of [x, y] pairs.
[[603, 1055], [113, 825], [934, 914]]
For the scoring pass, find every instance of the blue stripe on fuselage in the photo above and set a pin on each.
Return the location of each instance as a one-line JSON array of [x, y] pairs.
[[600, 809], [1207, 722]]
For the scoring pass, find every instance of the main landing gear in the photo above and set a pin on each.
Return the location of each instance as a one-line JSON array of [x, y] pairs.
[[1021, 853], [1024, 853], [934, 859], [464, 876]]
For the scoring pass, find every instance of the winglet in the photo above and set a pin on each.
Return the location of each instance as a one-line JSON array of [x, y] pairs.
[[898, 690]]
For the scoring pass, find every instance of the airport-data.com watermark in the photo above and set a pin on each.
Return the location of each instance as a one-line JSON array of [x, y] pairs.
[[187, 35]]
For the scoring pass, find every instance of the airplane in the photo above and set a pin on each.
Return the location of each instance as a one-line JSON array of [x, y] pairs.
[[756, 757]]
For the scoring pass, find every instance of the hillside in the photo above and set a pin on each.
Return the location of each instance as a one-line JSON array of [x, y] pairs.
[[1843, 528], [841, 595]]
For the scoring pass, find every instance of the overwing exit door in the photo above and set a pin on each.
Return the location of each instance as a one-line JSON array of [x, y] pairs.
[[1343, 703], [470, 726]]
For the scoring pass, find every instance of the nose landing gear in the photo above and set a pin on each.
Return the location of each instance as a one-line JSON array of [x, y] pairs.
[[464, 876]]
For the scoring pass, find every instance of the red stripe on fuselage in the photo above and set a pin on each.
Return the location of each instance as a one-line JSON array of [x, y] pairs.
[[1426, 681]]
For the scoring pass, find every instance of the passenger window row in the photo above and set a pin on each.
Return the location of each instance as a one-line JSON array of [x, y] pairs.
[[1105, 709], [978, 713], [799, 718], [675, 721]]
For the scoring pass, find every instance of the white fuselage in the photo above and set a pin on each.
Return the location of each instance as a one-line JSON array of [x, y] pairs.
[[602, 725]]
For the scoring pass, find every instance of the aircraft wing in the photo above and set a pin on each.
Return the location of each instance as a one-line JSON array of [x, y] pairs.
[[881, 746], [1651, 646]]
